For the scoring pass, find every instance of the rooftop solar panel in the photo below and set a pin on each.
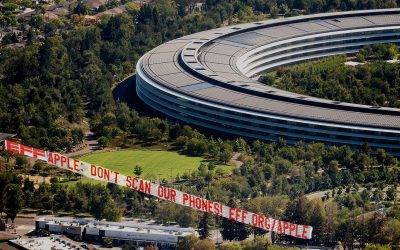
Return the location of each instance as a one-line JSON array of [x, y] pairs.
[[223, 49], [248, 38], [350, 22], [309, 27], [181, 79], [164, 68], [197, 86], [384, 19], [219, 93], [280, 32]]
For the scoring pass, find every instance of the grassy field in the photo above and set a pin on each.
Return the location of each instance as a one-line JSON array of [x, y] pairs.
[[155, 164]]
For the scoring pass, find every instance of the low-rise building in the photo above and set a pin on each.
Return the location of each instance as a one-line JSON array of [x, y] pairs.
[[52, 242], [137, 233]]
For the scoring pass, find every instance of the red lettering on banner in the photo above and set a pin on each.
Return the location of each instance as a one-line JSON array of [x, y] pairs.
[[12, 147], [56, 158], [240, 215], [261, 222], [244, 215], [128, 182], [50, 158], [185, 198], [297, 232], [219, 209], [192, 201], [304, 235], [76, 166], [280, 228], [141, 185], [147, 186], [237, 214], [99, 172], [267, 223], [231, 213], [39, 154], [135, 180], [254, 220], [204, 205], [93, 170], [292, 229], [210, 207], [25, 150], [285, 226], [64, 160], [106, 174], [166, 193], [198, 202], [116, 177]]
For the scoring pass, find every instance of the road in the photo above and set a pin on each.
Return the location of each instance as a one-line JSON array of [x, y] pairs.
[[90, 144]]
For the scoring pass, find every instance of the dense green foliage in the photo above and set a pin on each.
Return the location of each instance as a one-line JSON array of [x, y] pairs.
[[47, 88], [51, 87], [374, 83]]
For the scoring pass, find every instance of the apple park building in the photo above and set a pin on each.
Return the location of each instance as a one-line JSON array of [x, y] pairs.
[[209, 79]]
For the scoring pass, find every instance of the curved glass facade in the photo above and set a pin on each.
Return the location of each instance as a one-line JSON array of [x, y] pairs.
[[256, 124]]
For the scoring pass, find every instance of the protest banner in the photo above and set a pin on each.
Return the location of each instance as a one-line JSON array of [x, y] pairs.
[[162, 192]]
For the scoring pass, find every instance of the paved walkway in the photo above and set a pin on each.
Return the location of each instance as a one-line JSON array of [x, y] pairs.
[[235, 160], [90, 143]]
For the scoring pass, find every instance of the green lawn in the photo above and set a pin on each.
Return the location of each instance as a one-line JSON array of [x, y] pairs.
[[154, 163]]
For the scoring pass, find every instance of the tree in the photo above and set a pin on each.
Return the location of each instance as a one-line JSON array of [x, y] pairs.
[[377, 247], [299, 211], [187, 242], [204, 227], [185, 217], [102, 206], [391, 193], [318, 221], [204, 245], [381, 156], [108, 241], [38, 166], [232, 230], [230, 246], [103, 142], [138, 170], [13, 200], [391, 232], [82, 9]]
